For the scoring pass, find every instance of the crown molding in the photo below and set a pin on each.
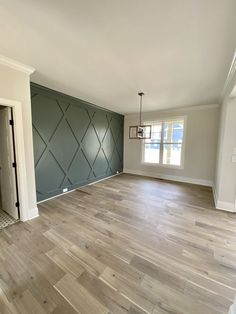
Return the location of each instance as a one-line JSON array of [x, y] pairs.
[[15, 65], [178, 109], [230, 81], [233, 93]]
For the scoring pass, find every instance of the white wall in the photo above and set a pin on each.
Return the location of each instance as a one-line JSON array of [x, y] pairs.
[[225, 183], [15, 85], [225, 180], [200, 146]]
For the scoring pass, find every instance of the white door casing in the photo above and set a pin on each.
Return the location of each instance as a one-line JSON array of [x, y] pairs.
[[7, 171], [15, 93], [26, 213]]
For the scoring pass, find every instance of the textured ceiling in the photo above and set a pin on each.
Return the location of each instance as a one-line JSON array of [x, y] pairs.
[[177, 51]]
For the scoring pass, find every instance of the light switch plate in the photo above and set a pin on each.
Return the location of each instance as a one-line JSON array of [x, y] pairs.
[[233, 158]]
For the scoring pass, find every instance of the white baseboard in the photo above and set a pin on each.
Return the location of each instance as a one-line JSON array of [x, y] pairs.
[[169, 177], [227, 206], [50, 198], [94, 182], [114, 175], [33, 213]]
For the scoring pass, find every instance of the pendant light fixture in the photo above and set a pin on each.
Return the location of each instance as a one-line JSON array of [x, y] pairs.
[[141, 131]]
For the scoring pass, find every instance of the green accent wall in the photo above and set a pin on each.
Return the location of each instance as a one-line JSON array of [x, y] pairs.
[[75, 142]]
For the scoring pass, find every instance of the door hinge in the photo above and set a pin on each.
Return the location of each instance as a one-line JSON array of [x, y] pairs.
[[11, 122], [17, 204], [14, 164]]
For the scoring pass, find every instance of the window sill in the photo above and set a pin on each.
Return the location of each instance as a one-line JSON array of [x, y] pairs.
[[181, 167]]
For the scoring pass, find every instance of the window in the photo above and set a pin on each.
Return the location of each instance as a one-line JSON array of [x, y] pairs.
[[166, 144]]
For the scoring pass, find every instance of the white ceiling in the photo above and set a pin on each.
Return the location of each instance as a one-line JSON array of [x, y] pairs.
[[177, 51]]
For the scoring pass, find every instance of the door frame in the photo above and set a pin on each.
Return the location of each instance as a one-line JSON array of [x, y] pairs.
[[20, 155]]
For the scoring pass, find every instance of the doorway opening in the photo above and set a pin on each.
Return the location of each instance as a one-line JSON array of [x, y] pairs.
[[9, 199]]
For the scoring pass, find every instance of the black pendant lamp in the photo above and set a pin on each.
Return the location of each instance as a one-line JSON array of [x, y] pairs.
[[140, 131]]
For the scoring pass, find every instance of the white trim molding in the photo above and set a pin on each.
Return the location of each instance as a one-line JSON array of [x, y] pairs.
[[162, 121], [15, 65], [26, 213], [169, 177], [230, 80], [227, 206], [177, 109], [92, 183], [33, 213]]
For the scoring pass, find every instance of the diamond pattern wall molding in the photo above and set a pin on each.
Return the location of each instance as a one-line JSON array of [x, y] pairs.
[[75, 143]]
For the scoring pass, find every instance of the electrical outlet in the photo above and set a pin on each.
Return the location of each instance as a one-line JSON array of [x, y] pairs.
[[65, 190]]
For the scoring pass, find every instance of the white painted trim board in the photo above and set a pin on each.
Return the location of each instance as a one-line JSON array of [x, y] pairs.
[[92, 183], [15, 65], [26, 213], [169, 177], [227, 206]]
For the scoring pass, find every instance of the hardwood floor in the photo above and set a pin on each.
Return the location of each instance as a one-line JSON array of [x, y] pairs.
[[128, 244]]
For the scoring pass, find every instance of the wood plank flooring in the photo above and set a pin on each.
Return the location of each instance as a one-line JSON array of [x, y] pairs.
[[128, 244]]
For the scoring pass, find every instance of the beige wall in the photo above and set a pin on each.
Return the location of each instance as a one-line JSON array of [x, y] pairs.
[[15, 85], [200, 146]]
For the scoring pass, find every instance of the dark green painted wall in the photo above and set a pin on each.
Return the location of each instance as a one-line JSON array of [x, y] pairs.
[[75, 143]]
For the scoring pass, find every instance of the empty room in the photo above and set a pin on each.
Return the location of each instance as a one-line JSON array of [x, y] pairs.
[[118, 157]]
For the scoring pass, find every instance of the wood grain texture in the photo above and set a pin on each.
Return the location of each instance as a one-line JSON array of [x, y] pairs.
[[128, 244]]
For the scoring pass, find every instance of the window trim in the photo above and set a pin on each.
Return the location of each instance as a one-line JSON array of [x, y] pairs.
[[160, 164]]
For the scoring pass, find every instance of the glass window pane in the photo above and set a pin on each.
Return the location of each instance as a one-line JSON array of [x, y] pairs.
[[172, 154], [173, 131], [152, 153], [156, 132]]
